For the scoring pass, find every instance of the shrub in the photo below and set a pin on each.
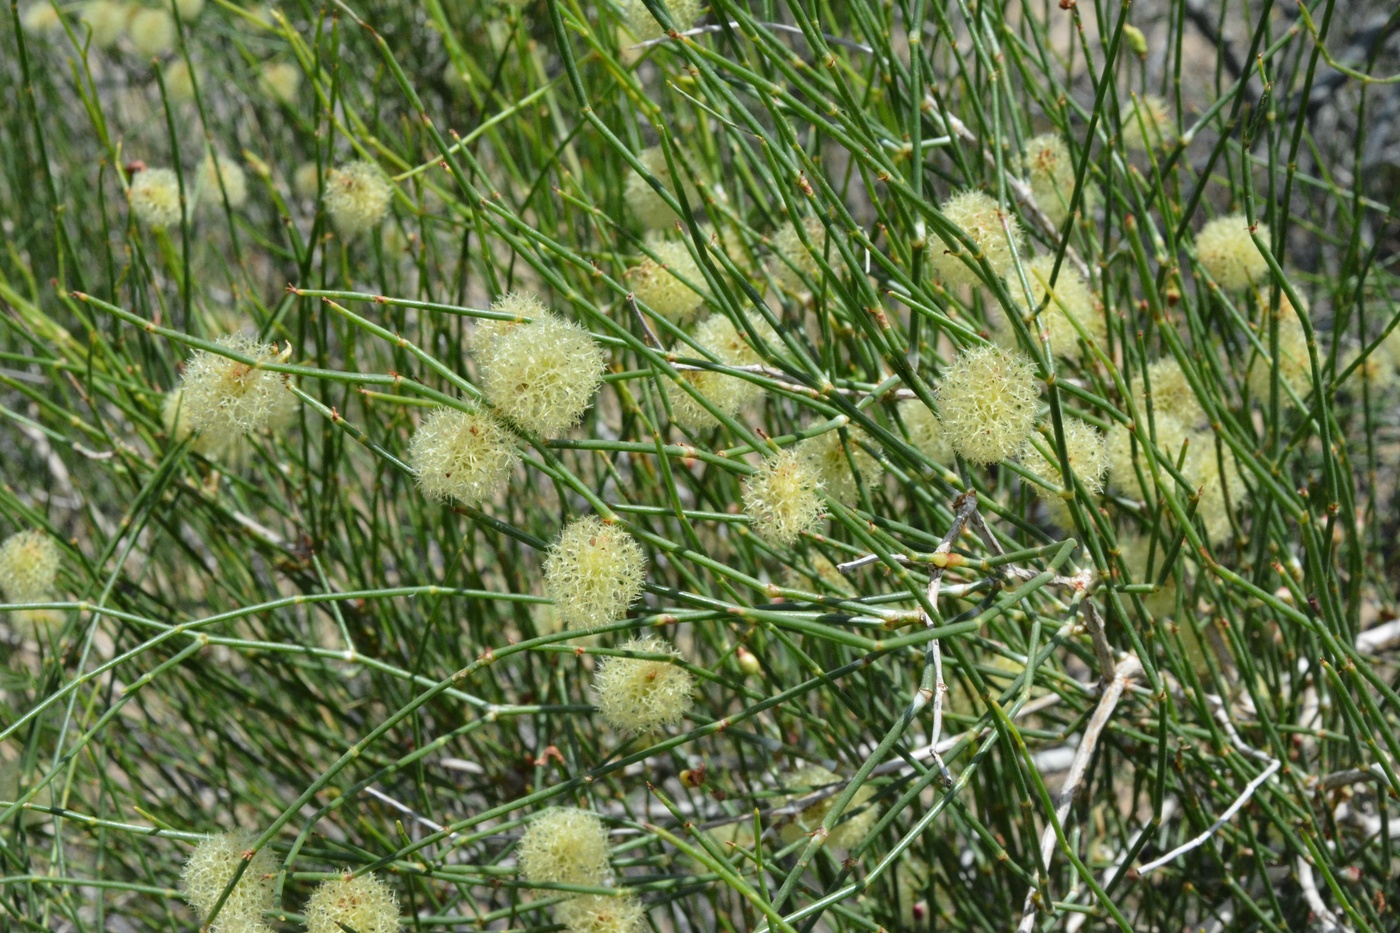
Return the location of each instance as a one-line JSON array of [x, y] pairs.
[[516, 492]]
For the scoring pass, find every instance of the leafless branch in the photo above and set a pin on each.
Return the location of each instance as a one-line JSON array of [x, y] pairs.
[[1102, 649], [1378, 639], [777, 375], [1351, 776], [1050, 762], [405, 809], [1128, 668], [1076, 921], [1224, 818], [965, 506], [642, 320], [1327, 921]]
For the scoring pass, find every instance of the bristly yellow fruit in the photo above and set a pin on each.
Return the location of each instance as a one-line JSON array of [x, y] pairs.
[[231, 447], [1070, 302], [356, 197], [154, 196], [1125, 446], [235, 181], [718, 336], [40, 18], [465, 456], [224, 395], [1088, 459], [363, 903], [794, 265], [523, 306], [28, 567], [783, 499], [636, 695], [645, 27], [1218, 478], [988, 396], [991, 230], [209, 869], [1294, 361], [662, 287], [1146, 122], [543, 375], [1171, 393], [280, 81], [831, 460], [180, 81], [564, 845], [601, 913], [926, 432], [1228, 252], [106, 19], [646, 205], [152, 32], [594, 573], [856, 820], [1051, 173], [1087, 452]]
